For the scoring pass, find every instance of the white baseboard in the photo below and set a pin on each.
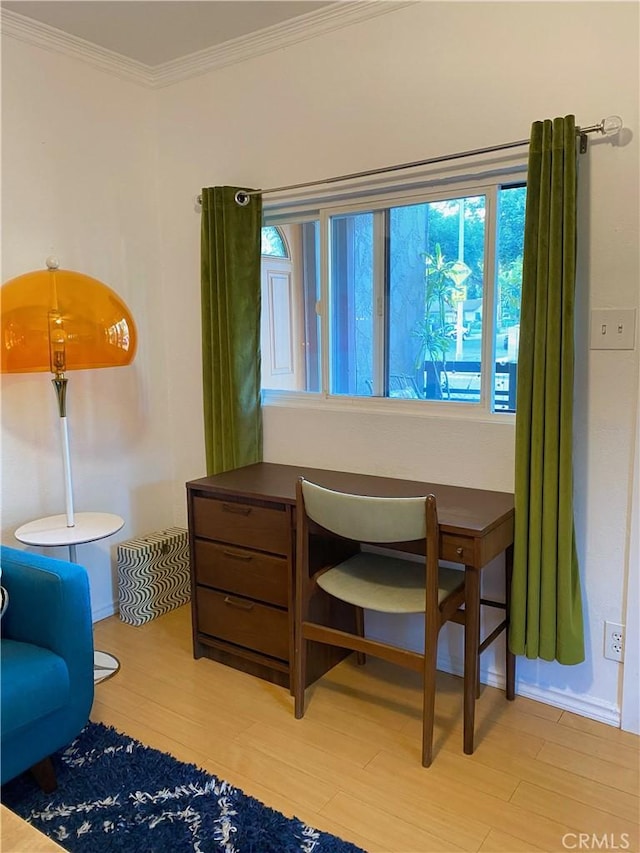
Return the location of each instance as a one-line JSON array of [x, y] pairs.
[[104, 612], [584, 706]]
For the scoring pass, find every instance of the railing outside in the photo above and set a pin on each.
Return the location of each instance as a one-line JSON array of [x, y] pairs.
[[463, 380]]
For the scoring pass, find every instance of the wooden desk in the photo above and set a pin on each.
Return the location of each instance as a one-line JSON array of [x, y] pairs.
[[242, 547]]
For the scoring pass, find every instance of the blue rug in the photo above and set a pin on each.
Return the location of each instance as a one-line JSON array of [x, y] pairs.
[[115, 794]]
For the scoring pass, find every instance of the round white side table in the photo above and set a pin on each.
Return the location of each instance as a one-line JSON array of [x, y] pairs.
[[88, 527]]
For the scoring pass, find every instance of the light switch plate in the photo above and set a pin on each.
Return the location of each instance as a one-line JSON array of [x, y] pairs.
[[613, 328]]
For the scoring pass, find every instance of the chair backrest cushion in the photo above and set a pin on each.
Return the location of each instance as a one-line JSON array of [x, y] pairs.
[[364, 518]]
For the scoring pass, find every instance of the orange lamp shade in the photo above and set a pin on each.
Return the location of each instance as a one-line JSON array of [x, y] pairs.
[[61, 320]]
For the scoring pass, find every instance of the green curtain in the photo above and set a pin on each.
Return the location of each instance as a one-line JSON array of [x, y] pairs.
[[546, 607], [230, 250]]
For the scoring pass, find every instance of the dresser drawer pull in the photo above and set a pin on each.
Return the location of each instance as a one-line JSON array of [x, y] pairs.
[[241, 605], [459, 552], [245, 558], [238, 509]]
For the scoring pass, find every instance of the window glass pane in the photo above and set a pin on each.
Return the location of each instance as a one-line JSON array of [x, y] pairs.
[[408, 229], [436, 263], [509, 250], [290, 330], [310, 278], [272, 243], [352, 317]]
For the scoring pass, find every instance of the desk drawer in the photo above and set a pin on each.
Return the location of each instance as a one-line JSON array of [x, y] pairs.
[[242, 524], [247, 573], [243, 622], [458, 549]]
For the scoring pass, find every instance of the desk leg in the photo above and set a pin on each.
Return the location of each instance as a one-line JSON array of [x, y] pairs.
[[510, 663], [471, 634], [478, 658]]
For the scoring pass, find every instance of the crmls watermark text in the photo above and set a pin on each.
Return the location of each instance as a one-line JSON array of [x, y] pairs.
[[593, 841]]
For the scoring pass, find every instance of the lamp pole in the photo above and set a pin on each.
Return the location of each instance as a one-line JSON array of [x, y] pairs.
[[58, 359], [60, 385]]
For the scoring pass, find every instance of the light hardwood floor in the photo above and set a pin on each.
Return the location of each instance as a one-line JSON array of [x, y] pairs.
[[538, 779], [18, 836]]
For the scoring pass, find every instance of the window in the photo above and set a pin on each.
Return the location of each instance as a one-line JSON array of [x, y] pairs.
[[290, 326], [273, 243], [414, 298]]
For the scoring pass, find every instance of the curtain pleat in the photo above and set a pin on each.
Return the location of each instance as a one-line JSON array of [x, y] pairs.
[[230, 277], [546, 607]]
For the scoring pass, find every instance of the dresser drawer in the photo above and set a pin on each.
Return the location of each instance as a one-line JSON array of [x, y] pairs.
[[242, 524], [247, 573], [243, 622], [458, 549]]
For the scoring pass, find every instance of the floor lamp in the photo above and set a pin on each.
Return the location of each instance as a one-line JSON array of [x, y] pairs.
[[54, 321]]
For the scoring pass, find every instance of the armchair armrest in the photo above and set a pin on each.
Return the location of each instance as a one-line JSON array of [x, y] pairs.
[[49, 605]]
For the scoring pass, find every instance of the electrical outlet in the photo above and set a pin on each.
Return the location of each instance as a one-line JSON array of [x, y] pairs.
[[614, 641]]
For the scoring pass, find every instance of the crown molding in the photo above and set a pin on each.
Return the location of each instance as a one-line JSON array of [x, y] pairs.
[[55, 40], [279, 36], [336, 16]]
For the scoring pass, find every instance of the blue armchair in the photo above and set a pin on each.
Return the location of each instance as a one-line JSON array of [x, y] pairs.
[[46, 661]]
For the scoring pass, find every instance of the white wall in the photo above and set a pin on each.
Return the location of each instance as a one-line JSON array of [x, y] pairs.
[[630, 691], [418, 82], [79, 181]]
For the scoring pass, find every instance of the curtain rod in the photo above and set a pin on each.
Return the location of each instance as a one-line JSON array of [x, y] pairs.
[[609, 126]]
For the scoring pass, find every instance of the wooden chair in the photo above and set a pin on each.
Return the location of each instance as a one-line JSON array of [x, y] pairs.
[[372, 581]]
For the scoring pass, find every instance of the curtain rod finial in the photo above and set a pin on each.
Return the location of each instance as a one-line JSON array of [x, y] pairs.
[[611, 125]]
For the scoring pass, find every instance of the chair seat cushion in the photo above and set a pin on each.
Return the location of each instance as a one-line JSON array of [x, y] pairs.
[[35, 682], [387, 584]]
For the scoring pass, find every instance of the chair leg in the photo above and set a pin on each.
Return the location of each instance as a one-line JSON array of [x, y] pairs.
[[45, 775], [429, 690], [361, 658], [299, 674]]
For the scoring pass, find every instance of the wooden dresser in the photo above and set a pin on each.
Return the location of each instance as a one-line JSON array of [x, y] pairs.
[[242, 547], [241, 568]]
